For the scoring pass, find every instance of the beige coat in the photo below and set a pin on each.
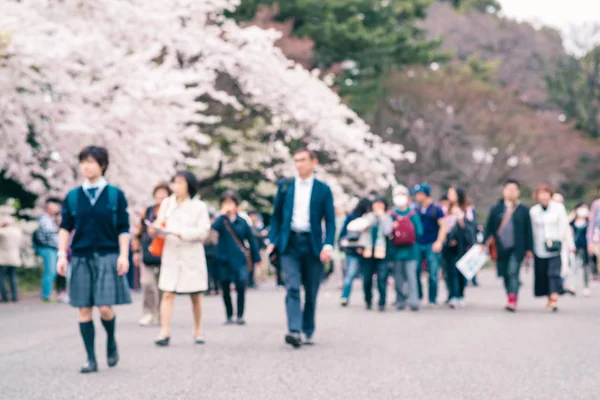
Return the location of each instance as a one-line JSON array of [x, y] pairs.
[[183, 265], [10, 246]]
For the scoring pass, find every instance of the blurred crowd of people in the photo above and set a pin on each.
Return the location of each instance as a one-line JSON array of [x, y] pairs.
[[384, 241]]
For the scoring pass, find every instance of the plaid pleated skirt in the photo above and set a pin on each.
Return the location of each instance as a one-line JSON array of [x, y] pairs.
[[94, 281]]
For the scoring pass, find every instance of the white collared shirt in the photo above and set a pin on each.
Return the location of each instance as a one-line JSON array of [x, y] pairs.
[[100, 184], [302, 195]]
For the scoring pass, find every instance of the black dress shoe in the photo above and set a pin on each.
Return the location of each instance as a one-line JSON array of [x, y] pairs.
[[112, 356], [294, 340], [162, 342], [89, 367]]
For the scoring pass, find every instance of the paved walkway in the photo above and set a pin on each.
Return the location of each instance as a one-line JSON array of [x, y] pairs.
[[477, 353]]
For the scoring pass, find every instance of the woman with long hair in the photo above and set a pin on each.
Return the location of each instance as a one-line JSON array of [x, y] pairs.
[[461, 227], [184, 222], [349, 244], [552, 242]]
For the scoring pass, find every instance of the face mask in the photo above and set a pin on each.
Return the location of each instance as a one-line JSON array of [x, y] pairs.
[[583, 212], [400, 201]]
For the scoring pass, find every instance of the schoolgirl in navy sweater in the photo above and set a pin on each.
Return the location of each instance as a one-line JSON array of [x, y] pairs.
[[97, 212]]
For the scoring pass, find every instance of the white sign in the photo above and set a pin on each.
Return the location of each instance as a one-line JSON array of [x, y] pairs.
[[473, 260]]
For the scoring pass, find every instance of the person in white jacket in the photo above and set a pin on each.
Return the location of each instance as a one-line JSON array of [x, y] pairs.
[[183, 265], [552, 243]]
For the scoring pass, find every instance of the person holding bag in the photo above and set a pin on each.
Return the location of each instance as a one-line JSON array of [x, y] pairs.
[[237, 253], [184, 223], [552, 242], [148, 264]]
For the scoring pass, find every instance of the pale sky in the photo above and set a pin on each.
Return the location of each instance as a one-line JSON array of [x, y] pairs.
[[574, 18]]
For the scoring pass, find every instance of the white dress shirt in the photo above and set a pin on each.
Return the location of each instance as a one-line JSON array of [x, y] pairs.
[[302, 195], [100, 184]]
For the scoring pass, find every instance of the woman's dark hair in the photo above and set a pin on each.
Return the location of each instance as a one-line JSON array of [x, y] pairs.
[[230, 195], [461, 194], [580, 203], [162, 186], [99, 154], [191, 181], [363, 207]]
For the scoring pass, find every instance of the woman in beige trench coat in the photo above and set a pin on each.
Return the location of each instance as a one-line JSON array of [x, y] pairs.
[[183, 265]]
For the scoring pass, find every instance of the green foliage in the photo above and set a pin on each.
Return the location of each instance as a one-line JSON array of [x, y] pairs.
[[575, 87], [479, 5], [375, 36]]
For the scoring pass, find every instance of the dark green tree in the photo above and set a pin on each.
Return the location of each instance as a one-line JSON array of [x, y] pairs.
[[492, 6], [369, 38]]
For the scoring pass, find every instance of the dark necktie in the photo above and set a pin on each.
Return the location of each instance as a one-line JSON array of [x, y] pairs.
[[92, 193]]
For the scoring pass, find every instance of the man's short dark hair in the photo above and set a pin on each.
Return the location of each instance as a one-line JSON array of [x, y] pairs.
[[53, 200], [99, 154], [311, 153], [231, 195], [512, 182], [162, 186]]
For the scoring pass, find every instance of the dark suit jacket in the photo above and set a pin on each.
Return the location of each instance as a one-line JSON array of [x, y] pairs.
[[321, 208], [522, 228]]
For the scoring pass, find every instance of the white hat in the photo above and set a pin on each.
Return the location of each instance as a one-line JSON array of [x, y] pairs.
[[400, 189]]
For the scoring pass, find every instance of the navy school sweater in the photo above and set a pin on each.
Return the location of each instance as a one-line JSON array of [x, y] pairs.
[[94, 225]]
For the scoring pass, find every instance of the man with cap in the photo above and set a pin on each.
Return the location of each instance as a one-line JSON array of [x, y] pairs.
[[432, 240]]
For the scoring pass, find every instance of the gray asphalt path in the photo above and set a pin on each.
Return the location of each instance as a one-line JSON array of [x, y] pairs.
[[480, 352]]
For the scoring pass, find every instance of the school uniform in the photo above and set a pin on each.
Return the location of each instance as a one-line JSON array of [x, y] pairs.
[[93, 279]]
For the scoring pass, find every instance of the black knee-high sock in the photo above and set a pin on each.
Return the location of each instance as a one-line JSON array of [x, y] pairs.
[[87, 333], [109, 326]]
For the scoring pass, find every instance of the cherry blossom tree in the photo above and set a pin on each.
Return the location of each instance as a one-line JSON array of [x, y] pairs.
[[159, 84]]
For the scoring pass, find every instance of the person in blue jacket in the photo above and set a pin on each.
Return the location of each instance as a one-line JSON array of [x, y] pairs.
[[236, 244], [97, 212]]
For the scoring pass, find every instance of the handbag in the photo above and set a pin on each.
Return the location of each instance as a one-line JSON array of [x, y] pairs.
[[158, 243], [239, 243], [492, 245], [552, 246]]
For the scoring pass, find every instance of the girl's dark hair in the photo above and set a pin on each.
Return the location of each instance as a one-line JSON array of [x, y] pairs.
[[231, 195], [461, 193], [99, 154], [162, 186], [363, 207], [191, 181]]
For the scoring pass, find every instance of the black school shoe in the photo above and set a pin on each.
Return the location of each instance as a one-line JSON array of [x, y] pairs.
[[294, 340], [89, 367], [112, 356]]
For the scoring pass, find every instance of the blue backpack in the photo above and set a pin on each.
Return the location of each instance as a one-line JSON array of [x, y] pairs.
[[113, 202]]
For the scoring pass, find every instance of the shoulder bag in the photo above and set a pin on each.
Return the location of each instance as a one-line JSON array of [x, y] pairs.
[[239, 243]]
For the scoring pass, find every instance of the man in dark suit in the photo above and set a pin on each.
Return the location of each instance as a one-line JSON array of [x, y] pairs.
[[509, 225], [301, 206]]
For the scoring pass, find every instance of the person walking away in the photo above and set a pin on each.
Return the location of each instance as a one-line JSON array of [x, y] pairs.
[[579, 225], [373, 240], [11, 236], [432, 241], [461, 224], [508, 227], [404, 229], [552, 240], [350, 244], [301, 206], [97, 213], [237, 251], [45, 244], [149, 265], [183, 263], [593, 235]]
